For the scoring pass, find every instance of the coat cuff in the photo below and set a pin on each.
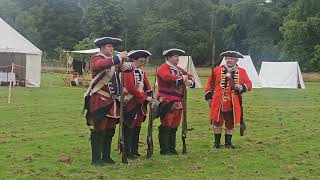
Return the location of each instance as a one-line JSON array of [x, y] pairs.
[[244, 88], [193, 84], [179, 81], [149, 93], [116, 59], [208, 95]]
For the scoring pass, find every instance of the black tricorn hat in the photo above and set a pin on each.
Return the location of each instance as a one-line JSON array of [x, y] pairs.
[[135, 54], [172, 52], [232, 54], [107, 40]]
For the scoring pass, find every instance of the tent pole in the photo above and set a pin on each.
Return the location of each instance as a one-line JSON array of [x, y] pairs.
[[44, 61], [10, 84]]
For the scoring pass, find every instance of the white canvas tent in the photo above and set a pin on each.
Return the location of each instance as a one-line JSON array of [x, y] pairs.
[[14, 48], [247, 64], [281, 75], [183, 63]]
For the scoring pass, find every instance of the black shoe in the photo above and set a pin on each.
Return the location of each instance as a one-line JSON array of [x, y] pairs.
[[162, 152], [98, 163], [217, 138], [229, 146], [174, 152], [106, 148], [228, 143], [164, 140], [96, 145], [172, 141], [108, 161], [135, 143], [136, 155], [131, 156]]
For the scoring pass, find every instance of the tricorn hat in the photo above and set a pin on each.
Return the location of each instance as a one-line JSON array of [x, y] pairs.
[[100, 42], [232, 54], [135, 54], [172, 52]]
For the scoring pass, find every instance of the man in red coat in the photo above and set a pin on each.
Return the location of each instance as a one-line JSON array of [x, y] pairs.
[[223, 93], [171, 80], [139, 94], [102, 98]]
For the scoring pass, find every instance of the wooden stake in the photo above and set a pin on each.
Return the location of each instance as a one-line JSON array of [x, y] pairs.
[[10, 84]]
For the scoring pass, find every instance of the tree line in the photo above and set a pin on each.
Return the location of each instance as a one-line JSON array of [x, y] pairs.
[[277, 30]]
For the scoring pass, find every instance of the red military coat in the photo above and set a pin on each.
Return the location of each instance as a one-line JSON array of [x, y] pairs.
[[169, 77], [100, 63], [132, 81], [170, 84], [218, 102]]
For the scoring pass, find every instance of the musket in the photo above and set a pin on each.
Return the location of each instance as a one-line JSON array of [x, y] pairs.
[[150, 123], [121, 127], [243, 126], [213, 58], [212, 68], [184, 119], [121, 133]]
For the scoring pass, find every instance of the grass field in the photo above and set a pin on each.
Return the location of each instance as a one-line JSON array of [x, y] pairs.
[[42, 136]]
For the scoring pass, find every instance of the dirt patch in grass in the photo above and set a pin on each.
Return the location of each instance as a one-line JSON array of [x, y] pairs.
[[22, 172], [66, 159], [311, 76]]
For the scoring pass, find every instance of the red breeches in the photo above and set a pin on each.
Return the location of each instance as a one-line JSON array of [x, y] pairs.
[[136, 123], [172, 119], [107, 123], [227, 118]]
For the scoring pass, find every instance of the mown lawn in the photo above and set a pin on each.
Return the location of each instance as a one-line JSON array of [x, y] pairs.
[[42, 136]]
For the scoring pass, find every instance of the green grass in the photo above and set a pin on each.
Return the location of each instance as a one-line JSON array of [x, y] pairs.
[[42, 136]]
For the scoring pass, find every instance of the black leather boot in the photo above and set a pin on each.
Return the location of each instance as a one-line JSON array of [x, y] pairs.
[[128, 140], [135, 142], [228, 143], [164, 140], [217, 138], [96, 145], [172, 141], [106, 148]]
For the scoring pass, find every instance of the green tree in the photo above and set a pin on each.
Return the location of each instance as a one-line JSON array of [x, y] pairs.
[[301, 34], [24, 16], [255, 28], [86, 43], [9, 11], [315, 61], [135, 10], [177, 23], [104, 18], [59, 25]]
